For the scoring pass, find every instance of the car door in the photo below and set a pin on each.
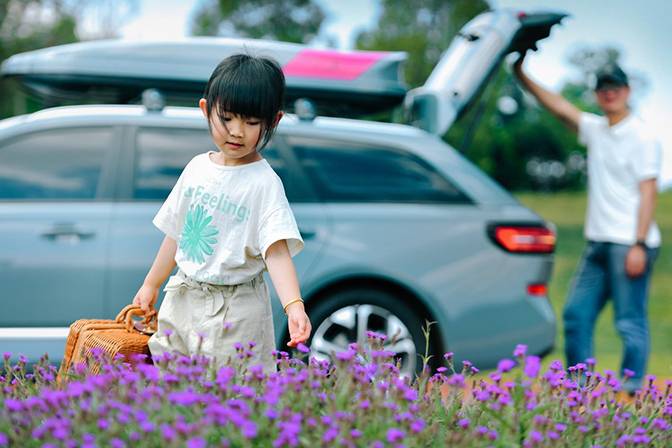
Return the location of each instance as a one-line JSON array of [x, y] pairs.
[[54, 224], [154, 158]]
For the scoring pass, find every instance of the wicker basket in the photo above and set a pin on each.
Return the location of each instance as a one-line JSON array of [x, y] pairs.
[[123, 335]]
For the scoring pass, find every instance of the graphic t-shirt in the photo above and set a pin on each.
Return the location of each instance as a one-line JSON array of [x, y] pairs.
[[224, 218]]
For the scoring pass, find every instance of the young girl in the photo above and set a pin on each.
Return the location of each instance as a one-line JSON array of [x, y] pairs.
[[227, 220]]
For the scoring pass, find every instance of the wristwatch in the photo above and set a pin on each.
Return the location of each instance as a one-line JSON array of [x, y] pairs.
[[641, 243]]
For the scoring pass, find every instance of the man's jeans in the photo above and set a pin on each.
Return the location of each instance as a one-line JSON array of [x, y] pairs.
[[600, 276]]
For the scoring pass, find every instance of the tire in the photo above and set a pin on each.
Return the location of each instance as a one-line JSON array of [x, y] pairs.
[[336, 322]]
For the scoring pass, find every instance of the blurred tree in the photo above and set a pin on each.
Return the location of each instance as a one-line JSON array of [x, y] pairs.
[[423, 28], [530, 149], [296, 21], [31, 24]]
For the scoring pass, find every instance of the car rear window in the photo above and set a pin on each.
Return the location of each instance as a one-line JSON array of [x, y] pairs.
[[56, 164], [348, 172]]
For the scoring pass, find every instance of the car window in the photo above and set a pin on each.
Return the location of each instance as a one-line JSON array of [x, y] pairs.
[[58, 164], [162, 155], [343, 172]]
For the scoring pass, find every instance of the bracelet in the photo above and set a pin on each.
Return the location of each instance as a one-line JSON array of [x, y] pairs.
[[290, 302]]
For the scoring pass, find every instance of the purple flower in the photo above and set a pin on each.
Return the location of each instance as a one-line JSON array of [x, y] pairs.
[[196, 442], [395, 435], [346, 356], [4, 440], [355, 433], [456, 380], [555, 365], [505, 365], [117, 443], [417, 425], [628, 373], [249, 429], [520, 350], [411, 395], [168, 432], [302, 348], [448, 356], [330, 434], [463, 423], [532, 366]]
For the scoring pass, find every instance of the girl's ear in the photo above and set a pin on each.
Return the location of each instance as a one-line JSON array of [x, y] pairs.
[[203, 105], [278, 118]]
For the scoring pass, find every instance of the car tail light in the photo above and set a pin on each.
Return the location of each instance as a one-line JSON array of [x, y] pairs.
[[540, 290], [523, 239]]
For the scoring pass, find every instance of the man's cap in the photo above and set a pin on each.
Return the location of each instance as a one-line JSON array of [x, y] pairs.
[[610, 74]]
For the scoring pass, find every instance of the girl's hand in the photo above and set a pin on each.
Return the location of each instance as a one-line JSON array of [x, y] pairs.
[[146, 297], [299, 324]]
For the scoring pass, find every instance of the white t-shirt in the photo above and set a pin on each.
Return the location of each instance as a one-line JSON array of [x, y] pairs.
[[619, 157], [224, 218]]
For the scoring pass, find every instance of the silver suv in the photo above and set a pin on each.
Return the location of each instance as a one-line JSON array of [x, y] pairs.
[[399, 228]]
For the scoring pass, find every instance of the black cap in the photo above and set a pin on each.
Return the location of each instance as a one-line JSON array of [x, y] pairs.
[[610, 74]]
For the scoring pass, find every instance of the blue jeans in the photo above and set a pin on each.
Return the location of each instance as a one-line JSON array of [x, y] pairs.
[[601, 275]]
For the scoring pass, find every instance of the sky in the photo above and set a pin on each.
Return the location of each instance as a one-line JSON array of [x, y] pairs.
[[643, 39]]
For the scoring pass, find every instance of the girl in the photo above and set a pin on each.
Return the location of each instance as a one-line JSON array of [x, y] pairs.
[[227, 220]]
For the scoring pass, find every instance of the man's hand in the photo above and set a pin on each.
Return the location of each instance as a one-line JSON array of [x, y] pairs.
[[635, 261], [146, 297], [518, 65], [299, 324]]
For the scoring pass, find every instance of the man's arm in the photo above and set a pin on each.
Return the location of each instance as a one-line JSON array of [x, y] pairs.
[[635, 262], [648, 191], [556, 104]]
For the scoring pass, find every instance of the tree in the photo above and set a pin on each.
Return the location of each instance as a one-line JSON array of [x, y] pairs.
[[423, 28], [532, 149], [296, 21], [31, 24]]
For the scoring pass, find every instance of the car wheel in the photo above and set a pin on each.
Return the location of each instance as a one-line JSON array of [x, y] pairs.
[[345, 316]]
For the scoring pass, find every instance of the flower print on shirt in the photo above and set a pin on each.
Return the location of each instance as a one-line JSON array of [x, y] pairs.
[[198, 236]]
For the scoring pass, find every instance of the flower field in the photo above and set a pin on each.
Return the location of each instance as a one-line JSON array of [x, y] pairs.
[[359, 400]]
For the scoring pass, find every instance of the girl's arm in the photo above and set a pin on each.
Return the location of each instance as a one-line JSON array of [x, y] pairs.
[[283, 275], [163, 265]]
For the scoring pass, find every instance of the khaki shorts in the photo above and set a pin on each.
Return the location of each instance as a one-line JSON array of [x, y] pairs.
[[210, 319]]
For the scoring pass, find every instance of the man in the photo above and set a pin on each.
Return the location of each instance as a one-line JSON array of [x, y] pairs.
[[622, 238]]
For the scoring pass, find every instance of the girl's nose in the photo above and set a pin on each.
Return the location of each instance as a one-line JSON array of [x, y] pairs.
[[235, 129]]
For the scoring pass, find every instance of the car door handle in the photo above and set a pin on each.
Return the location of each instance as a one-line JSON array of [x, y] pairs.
[[307, 234], [67, 233]]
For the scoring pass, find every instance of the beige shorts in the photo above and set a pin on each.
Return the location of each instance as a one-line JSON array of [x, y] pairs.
[[207, 319]]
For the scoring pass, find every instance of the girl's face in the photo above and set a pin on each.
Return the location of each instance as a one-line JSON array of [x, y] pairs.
[[237, 141]]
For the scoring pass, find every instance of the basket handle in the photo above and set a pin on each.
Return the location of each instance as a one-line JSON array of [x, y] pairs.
[[121, 317], [146, 326]]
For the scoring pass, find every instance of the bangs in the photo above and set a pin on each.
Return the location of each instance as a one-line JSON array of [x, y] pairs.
[[247, 86]]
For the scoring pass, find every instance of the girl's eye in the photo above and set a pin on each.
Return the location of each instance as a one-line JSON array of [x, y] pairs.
[[253, 123]]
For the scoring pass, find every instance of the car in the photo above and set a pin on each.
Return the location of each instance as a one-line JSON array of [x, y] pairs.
[[400, 229]]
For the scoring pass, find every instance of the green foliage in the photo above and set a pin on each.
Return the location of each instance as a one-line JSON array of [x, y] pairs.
[[423, 28], [567, 211], [285, 20], [32, 24]]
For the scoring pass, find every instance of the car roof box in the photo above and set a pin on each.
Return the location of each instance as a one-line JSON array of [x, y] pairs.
[[342, 83]]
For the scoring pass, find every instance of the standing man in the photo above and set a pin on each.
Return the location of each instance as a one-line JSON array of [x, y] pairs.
[[624, 161]]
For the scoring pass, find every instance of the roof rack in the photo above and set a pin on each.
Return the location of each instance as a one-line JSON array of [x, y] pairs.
[[342, 83]]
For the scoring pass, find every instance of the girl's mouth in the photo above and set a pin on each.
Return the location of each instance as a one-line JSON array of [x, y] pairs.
[[235, 145]]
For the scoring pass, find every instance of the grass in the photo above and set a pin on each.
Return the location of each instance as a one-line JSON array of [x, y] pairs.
[[566, 211]]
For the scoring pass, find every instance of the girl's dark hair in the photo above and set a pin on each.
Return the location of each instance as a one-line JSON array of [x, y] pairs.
[[249, 86]]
